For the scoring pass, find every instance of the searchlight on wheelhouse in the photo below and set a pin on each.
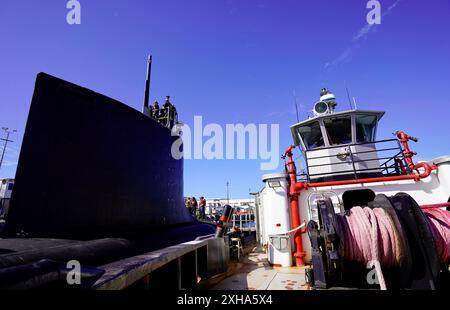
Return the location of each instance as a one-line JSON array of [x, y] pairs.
[[327, 103]]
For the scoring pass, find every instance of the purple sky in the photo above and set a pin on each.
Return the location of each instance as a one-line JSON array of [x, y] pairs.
[[235, 61]]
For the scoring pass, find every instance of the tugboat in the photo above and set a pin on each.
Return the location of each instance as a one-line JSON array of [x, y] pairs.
[[359, 203]]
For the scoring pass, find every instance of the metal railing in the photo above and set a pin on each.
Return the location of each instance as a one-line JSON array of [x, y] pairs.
[[391, 164], [244, 221]]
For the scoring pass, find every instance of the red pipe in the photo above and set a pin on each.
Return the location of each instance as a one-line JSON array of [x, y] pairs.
[[427, 168], [404, 138], [436, 205], [301, 186], [416, 177], [295, 211]]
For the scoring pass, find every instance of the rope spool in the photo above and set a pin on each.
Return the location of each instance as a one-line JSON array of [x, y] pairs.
[[439, 221], [375, 237]]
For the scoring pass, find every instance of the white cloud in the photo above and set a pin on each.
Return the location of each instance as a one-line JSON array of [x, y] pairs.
[[363, 33], [344, 57]]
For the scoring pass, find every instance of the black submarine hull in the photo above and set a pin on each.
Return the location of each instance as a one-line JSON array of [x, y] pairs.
[[92, 167]]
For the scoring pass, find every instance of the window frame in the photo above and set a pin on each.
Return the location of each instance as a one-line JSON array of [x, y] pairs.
[[375, 128], [353, 114], [352, 129], [322, 130]]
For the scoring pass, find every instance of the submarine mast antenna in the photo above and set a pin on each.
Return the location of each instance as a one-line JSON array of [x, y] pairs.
[[145, 108]]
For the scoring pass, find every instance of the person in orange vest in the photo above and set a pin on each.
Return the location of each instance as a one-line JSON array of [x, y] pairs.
[[194, 206]]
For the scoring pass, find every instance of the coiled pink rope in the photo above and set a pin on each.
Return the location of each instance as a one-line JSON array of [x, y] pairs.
[[439, 221], [374, 237]]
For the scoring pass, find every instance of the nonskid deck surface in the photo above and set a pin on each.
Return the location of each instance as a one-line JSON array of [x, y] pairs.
[[253, 272]]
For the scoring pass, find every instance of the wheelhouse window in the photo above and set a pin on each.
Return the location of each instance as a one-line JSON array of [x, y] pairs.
[[365, 128], [339, 130], [311, 135]]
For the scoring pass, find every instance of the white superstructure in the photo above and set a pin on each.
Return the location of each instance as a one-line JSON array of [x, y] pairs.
[[341, 147]]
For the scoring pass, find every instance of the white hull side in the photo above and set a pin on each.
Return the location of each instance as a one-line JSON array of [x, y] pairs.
[[432, 190]]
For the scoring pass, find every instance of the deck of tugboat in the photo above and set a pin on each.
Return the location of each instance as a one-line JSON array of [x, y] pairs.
[[253, 272]]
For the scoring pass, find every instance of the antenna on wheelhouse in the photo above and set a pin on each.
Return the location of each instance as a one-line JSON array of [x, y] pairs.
[[296, 107], [348, 96], [354, 102]]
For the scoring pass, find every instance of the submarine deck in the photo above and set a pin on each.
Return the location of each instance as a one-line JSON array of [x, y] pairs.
[[253, 272]]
